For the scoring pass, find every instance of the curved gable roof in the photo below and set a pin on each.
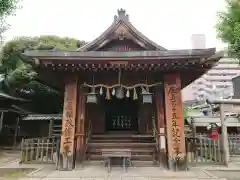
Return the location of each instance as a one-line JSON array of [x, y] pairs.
[[122, 19]]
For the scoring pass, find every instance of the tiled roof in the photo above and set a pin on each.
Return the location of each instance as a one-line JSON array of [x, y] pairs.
[[42, 117]]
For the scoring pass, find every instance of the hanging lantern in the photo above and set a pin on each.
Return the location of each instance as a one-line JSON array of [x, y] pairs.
[[120, 93], [92, 97], [146, 97]]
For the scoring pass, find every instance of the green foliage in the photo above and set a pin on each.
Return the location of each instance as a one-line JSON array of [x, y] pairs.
[[185, 110], [7, 7], [11, 50], [228, 26], [19, 76]]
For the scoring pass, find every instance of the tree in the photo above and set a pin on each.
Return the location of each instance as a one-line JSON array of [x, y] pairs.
[[228, 26], [20, 78], [7, 7]]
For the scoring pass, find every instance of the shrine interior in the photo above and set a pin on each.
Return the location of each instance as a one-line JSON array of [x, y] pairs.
[[121, 115]]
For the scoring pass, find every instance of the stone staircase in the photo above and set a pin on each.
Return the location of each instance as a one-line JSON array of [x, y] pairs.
[[142, 147]]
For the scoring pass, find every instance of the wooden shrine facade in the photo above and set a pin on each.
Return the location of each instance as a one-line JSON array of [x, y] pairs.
[[121, 69]]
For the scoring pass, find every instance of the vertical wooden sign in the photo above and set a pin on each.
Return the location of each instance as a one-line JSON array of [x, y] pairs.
[[69, 116], [174, 117]]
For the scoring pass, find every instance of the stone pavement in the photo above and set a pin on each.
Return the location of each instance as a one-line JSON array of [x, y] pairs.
[[8, 158], [134, 173], [98, 172]]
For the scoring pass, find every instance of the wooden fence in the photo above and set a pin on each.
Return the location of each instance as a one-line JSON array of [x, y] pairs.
[[203, 150], [39, 150], [200, 149]]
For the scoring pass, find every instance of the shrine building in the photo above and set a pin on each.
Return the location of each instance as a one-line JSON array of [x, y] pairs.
[[122, 91]]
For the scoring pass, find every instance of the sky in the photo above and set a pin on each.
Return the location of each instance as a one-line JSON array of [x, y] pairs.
[[169, 23]]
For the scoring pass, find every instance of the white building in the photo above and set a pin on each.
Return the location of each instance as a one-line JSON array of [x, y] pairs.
[[217, 81]]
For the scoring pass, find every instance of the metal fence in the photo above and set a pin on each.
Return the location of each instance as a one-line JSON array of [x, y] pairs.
[[234, 144], [39, 150]]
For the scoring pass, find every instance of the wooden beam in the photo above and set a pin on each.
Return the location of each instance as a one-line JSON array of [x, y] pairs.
[[174, 120], [160, 126], [80, 128]]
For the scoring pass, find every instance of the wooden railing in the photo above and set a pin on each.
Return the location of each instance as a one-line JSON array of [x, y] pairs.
[[39, 150], [156, 136]]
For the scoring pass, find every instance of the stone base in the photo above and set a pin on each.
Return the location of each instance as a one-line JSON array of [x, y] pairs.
[[65, 163]]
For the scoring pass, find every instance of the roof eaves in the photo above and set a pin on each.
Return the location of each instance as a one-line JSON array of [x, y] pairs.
[[90, 44], [215, 57], [145, 38]]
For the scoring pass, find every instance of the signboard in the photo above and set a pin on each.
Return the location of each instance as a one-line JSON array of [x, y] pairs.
[[174, 116], [69, 116]]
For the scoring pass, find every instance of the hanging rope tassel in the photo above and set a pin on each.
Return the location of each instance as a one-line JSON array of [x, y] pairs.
[[135, 96], [108, 96]]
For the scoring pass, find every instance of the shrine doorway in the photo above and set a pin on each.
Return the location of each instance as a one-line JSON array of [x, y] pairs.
[[121, 115]]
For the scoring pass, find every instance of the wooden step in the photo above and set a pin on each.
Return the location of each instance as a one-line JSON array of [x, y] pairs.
[[122, 136], [125, 145], [134, 163], [133, 150], [118, 140], [133, 157]]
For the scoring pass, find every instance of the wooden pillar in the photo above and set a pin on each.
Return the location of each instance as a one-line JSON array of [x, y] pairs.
[[66, 159], [174, 121], [80, 130], [160, 126]]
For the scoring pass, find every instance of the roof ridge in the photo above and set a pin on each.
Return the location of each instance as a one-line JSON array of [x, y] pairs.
[[121, 18]]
